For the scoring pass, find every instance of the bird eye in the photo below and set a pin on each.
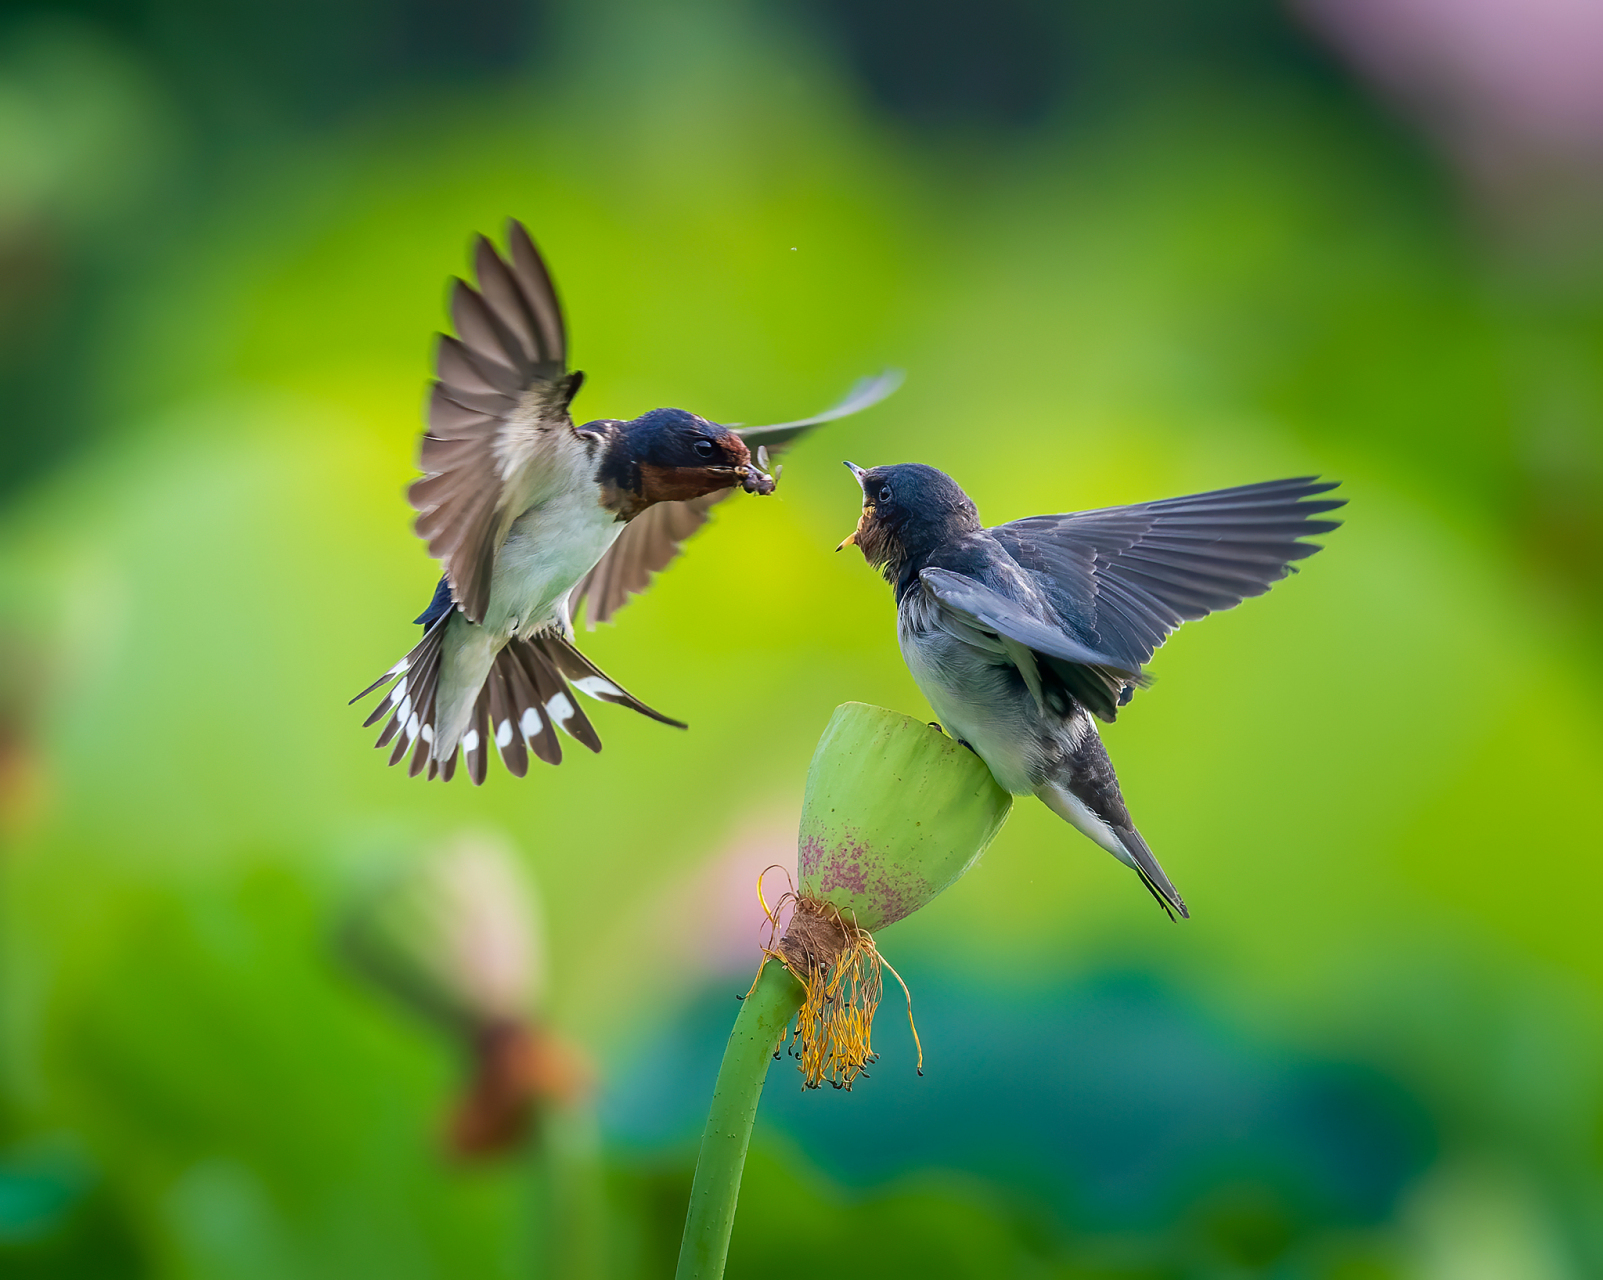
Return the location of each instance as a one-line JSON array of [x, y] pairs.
[[703, 448], [884, 493]]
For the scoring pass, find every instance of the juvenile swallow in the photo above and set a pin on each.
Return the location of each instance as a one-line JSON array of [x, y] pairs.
[[531, 514], [1019, 634]]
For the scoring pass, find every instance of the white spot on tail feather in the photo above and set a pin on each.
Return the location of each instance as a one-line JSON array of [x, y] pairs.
[[428, 733], [404, 712], [531, 724], [397, 693], [597, 686], [411, 728], [470, 740], [560, 709], [503, 733]]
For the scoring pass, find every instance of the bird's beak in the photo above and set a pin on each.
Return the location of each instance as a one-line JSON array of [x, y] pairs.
[[851, 538]]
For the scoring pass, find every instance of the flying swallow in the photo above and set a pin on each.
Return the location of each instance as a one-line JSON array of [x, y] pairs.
[[530, 514], [1020, 634]]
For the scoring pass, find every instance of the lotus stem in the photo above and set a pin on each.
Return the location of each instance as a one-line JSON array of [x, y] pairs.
[[763, 1020], [569, 1203], [894, 813]]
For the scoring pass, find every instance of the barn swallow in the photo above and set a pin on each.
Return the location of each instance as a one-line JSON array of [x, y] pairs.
[[531, 514], [1019, 634]]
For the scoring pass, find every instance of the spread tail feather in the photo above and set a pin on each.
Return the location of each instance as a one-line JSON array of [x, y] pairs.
[[410, 701], [589, 679], [525, 699]]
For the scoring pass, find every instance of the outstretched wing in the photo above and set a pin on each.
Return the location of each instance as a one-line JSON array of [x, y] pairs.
[[502, 387], [865, 393], [1123, 578], [652, 539], [647, 544], [1044, 653]]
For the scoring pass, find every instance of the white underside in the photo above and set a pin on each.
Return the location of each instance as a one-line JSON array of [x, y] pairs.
[[553, 544], [1074, 811], [978, 696]]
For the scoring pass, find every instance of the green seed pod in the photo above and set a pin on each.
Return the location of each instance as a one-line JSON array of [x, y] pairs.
[[895, 811]]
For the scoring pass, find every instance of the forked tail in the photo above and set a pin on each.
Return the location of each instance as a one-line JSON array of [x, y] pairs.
[[1119, 837], [524, 701], [1146, 866]]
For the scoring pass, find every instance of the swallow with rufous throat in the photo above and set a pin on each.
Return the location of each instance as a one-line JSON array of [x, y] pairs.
[[531, 514]]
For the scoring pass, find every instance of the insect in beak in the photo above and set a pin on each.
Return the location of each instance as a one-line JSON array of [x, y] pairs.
[[756, 477], [770, 470]]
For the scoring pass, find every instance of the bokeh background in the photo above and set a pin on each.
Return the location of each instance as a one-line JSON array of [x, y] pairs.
[[1123, 250]]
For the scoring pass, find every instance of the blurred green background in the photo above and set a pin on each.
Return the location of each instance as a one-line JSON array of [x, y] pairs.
[[1123, 251]]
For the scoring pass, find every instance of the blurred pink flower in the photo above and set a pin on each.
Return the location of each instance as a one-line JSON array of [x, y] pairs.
[[1501, 83], [725, 927]]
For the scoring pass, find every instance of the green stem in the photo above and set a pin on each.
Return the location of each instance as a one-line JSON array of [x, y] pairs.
[[758, 1028], [571, 1213]]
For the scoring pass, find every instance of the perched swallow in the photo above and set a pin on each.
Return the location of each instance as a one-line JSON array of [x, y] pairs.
[[531, 514], [1019, 634]]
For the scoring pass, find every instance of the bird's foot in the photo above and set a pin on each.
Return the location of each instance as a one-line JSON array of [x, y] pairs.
[[936, 725]]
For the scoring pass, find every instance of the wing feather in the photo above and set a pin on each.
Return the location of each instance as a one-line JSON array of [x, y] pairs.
[[996, 613], [487, 336], [647, 545], [489, 403], [478, 373], [973, 612], [539, 295], [1124, 578], [865, 393], [500, 290], [502, 386]]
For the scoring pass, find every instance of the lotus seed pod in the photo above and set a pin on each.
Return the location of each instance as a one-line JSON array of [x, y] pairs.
[[895, 811]]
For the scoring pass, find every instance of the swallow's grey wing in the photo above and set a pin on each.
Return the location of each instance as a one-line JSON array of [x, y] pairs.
[[652, 539], [1123, 578], [978, 615], [996, 614], [501, 385], [865, 393]]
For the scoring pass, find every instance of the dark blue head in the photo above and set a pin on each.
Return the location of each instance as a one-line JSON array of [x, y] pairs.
[[671, 455], [677, 438], [909, 510]]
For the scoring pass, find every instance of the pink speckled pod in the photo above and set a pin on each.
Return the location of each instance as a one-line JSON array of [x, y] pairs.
[[895, 811]]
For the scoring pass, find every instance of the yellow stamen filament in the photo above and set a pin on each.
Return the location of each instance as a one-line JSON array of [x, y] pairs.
[[767, 910], [840, 968], [917, 1043]]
